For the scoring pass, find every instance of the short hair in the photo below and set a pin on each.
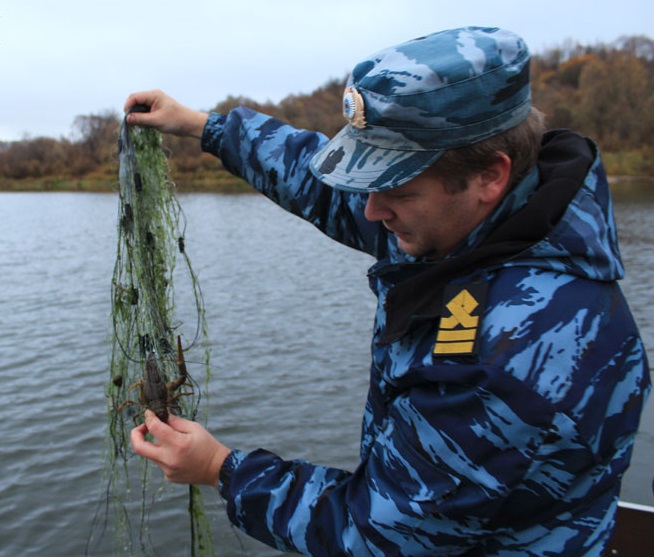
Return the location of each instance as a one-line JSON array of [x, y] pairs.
[[521, 143]]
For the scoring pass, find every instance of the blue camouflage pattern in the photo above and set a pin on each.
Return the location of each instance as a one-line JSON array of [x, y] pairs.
[[518, 450], [419, 98]]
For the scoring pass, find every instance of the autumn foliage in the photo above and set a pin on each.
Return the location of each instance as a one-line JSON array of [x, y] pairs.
[[605, 92]]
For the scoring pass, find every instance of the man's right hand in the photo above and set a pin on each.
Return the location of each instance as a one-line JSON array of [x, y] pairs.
[[166, 114]]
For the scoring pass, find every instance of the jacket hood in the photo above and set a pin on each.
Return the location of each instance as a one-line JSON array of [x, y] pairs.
[[572, 212], [567, 225]]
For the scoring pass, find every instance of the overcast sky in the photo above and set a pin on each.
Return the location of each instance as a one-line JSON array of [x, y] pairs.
[[60, 59]]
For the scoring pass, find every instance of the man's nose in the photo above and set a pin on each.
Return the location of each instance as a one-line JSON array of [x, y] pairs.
[[376, 208]]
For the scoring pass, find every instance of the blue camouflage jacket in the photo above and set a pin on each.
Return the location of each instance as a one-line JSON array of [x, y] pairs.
[[506, 384]]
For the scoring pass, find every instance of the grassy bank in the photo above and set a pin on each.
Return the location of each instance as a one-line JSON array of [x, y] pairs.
[[623, 168], [217, 184], [207, 185]]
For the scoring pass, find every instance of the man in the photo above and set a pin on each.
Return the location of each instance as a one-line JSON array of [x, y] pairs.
[[507, 374]]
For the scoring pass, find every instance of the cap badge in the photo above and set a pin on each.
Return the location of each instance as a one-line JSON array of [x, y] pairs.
[[353, 107]]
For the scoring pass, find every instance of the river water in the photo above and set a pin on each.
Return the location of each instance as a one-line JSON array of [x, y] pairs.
[[289, 316]]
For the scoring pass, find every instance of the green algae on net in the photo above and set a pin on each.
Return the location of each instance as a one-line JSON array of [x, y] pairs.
[[148, 342]]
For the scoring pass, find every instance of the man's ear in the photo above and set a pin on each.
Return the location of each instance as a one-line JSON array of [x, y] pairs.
[[493, 182]]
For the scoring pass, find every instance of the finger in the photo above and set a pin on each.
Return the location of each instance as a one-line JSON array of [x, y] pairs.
[[180, 424], [141, 446], [142, 97], [166, 432], [139, 106], [139, 118], [141, 430], [153, 423], [131, 101]]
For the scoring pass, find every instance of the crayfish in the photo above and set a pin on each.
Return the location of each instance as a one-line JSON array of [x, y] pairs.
[[154, 393]]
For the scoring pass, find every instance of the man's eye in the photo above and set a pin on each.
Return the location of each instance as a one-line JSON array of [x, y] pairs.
[[404, 196]]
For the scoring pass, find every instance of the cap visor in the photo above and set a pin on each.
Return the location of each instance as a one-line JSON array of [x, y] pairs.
[[347, 163]]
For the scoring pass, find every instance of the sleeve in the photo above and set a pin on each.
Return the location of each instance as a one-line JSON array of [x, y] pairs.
[[451, 448], [274, 158]]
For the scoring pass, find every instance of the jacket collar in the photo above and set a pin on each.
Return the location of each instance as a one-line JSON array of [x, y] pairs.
[[416, 294]]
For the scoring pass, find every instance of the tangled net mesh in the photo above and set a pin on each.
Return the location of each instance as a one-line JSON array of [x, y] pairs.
[[151, 228]]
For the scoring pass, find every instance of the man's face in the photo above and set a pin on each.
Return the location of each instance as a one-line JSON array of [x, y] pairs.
[[426, 219]]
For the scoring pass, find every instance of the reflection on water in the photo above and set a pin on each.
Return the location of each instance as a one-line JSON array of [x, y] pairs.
[[289, 316], [628, 190]]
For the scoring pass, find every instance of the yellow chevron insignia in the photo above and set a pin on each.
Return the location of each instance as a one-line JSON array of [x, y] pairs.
[[459, 323]]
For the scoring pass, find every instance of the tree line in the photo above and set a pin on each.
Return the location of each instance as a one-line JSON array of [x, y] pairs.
[[605, 91]]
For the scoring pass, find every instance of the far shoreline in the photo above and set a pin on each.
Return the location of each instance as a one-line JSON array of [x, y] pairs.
[[221, 184]]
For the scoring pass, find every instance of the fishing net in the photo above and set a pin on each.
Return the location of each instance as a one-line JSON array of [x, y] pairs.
[[150, 342]]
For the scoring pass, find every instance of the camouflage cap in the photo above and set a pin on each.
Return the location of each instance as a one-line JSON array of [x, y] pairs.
[[408, 104]]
